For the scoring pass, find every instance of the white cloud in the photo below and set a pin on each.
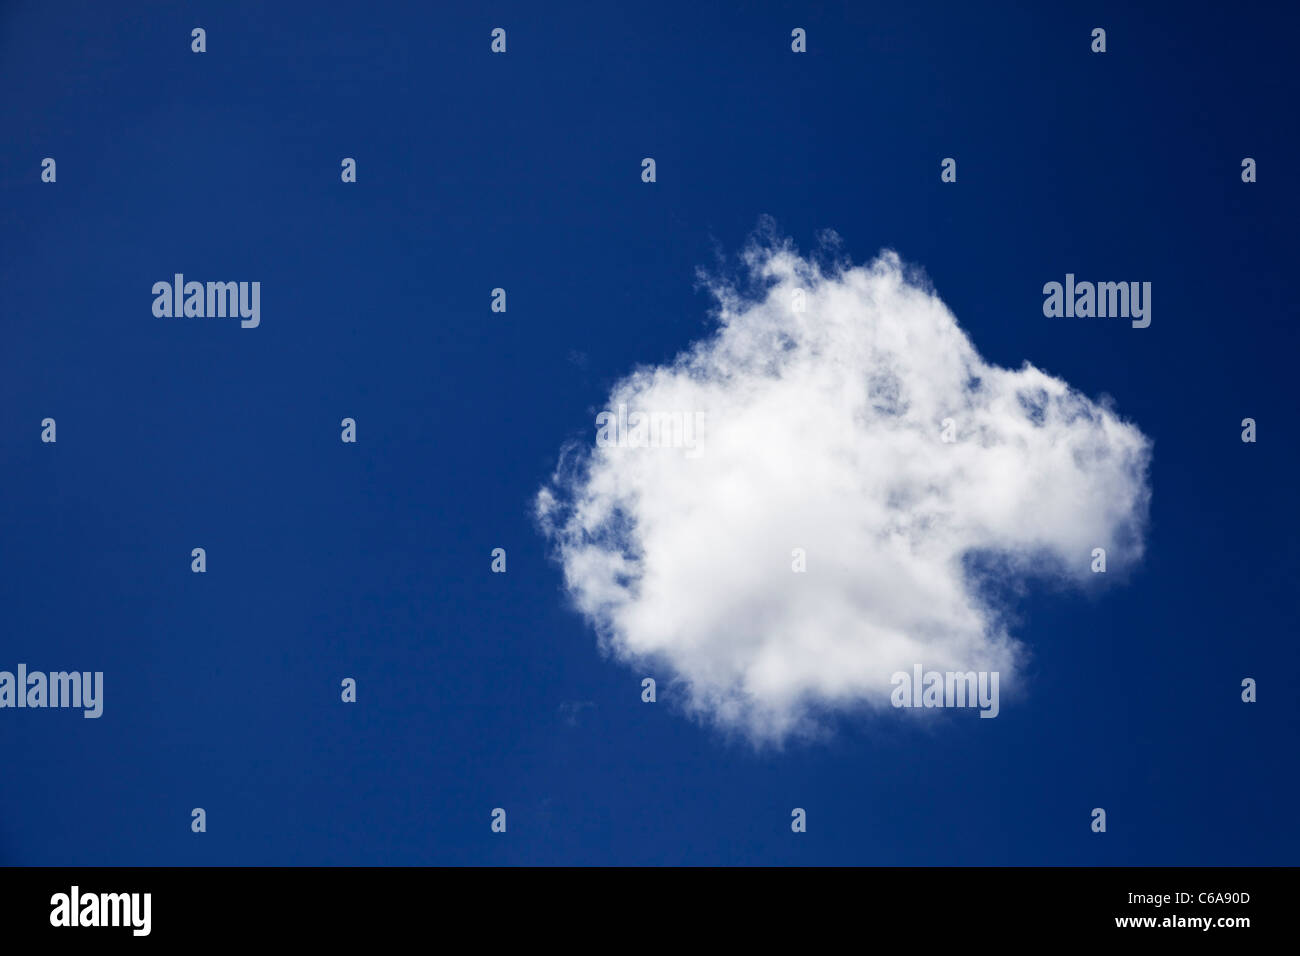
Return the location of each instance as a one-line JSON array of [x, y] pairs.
[[823, 432]]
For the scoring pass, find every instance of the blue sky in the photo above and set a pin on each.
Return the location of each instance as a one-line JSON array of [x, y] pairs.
[[522, 171]]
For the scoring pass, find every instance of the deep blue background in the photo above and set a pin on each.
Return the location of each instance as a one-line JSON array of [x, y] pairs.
[[328, 560]]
